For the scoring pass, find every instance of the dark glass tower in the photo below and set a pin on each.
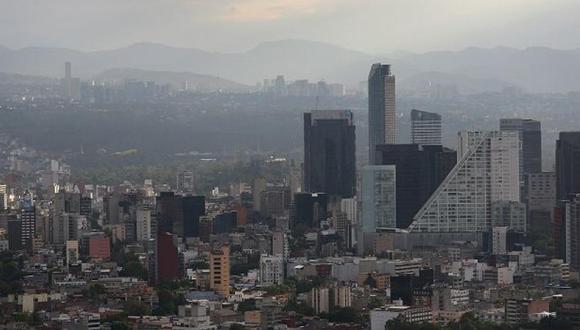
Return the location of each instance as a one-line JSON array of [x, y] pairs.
[[193, 208], [382, 108], [419, 171], [567, 165], [179, 214], [329, 153], [530, 132], [309, 210]]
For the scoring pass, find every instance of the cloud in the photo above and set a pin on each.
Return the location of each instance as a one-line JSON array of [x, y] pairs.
[[270, 10]]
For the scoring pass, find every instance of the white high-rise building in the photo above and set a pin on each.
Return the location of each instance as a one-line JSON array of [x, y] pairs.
[[425, 127], [349, 206], [499, 240], [3, 197], [271, 270], [487, 171], [143, 224], [280, 246]]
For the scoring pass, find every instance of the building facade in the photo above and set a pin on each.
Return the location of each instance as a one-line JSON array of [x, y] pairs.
[[329, 152], [487, 171], [419, 171], [425, 128], [382, 108]]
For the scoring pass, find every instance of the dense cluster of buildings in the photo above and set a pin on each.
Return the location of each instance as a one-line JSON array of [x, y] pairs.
[[419, 233]]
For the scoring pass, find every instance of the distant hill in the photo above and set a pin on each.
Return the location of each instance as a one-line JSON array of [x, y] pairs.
[[195, 81], [19, 79], [535, 69], [464, 84]]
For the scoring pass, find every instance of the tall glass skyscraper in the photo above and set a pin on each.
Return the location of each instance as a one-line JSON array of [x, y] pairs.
[[329, 152], [567, 165], [382, 108]]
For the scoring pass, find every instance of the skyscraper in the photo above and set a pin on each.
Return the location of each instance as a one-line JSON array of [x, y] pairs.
[[193, 208], [425, 127], [309, 209], [419, 171], [530, 133], [71, 87], [541, 200], [28, 222], [3, 197], [329, 152], [487, 171], [567, 165], [379, 207], [382, 108], [167, 259], [219, 270], [572, 232]]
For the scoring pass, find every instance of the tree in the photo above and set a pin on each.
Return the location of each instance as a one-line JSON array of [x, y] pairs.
[[344, 315], [134, 307], [247, 305], [134, 268], [10, 273]]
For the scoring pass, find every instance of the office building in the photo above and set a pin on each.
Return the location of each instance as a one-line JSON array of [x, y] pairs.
[[572, 232], [530, 135], [179, 214], [219, 270], [425, 128], [379, 198], [71, 87], [143, 224], [309, 210], [85, 206], [186, 182], [15, 235], [72, 252], [280, 244], [3, 197], [99, 247], [487, 171], [541, 200], [499, 240], [169, 213], [275, 201], [193, 208], [167, 259], [419, 171], [567, 165], [350, 207], [509, 214], [329, 153], [28, 222], [271, 270], [320, 300], [382, 108]]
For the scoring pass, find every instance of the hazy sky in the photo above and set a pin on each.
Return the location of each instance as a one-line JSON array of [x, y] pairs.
[[237, 25]]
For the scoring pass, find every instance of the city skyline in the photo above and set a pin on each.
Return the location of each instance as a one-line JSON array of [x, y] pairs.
[[294, 185]]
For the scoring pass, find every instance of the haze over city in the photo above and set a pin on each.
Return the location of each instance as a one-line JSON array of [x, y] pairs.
[[372, 26], [289, 164]]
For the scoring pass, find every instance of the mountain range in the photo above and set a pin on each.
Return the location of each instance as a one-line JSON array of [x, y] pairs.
[[472, 70]]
